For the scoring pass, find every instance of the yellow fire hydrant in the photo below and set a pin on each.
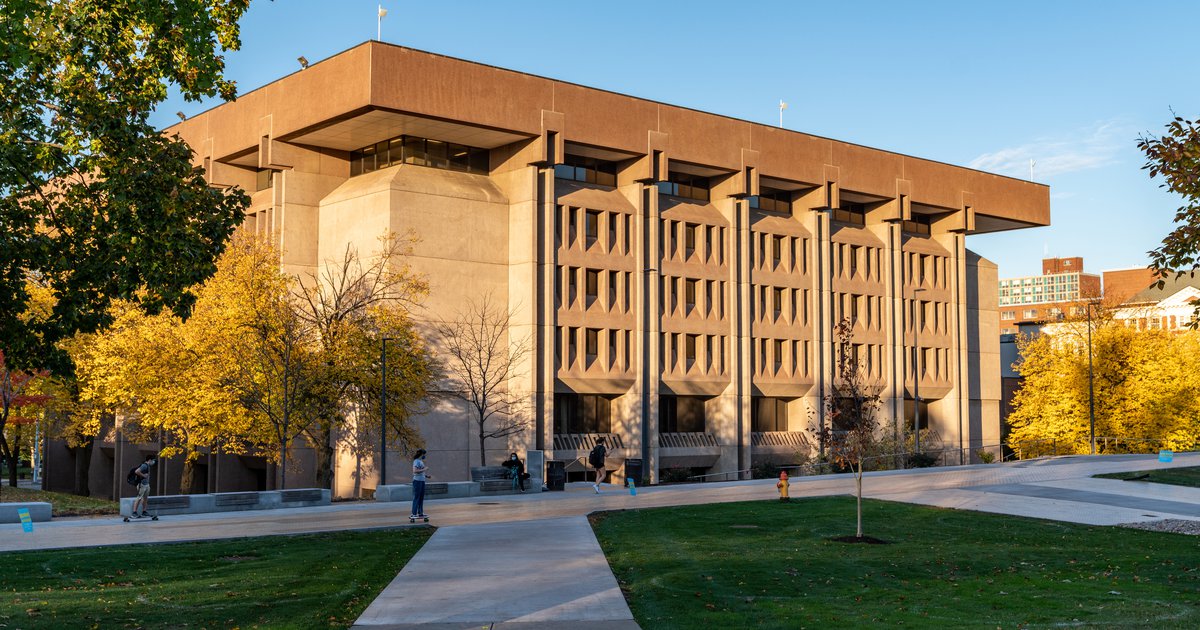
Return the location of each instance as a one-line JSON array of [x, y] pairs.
[[782, 485]]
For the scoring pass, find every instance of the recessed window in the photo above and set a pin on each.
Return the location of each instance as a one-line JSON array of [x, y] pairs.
[[768, 414], [419, 152], [584, 169], [685, 185], [592, 226], [689, 295], [591, 343], [681, 414], [854, 214], [772, 200], [582, 413], [591, 285]]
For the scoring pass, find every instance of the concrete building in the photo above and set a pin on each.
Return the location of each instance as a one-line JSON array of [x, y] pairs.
[[1048, 297], [678, 272]]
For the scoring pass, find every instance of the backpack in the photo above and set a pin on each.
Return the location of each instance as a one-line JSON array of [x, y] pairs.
[[133, 478], [596, 457]]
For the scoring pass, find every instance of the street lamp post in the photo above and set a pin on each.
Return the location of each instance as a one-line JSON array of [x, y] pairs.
[[1091, 391], [383, 410]]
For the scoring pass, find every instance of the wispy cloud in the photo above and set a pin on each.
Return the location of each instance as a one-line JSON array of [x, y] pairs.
[[1084, 149]]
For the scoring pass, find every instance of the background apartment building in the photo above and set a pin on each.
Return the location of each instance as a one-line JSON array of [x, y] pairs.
[[1048, 297], [679, 273]]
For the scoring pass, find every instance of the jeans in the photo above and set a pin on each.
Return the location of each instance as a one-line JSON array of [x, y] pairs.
[[418, 505]]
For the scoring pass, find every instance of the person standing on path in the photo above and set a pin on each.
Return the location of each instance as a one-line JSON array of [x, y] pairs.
[[143, 488], [419, 474], [596, 459]]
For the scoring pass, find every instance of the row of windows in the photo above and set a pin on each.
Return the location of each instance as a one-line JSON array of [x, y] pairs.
[[919, 268], [592, 413], [600, 346], [930, 317], [609, 232], [682, 352], [688, 295], [868, 358], [849, 260], [1058, 278], [693, 242], [421, 152], [853, 214], [1050, 313], [685, 185], [780, 357], [865, 309], [614, 286], [584, 169], [779, 304], [771, 200], [935, 363], [774, 252]]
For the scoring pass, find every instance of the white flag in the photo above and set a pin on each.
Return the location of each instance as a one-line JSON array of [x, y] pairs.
[[382, 11]]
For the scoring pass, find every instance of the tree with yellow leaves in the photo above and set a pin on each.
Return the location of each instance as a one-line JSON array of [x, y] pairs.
[[1146, 392]]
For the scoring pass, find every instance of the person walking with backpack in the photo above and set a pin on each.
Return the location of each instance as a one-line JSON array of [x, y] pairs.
[[596, 459], [142, 474]]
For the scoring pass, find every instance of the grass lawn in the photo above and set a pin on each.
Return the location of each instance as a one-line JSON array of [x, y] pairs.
[[1175, 476], [769, 564], [61, 503], [312, 581]]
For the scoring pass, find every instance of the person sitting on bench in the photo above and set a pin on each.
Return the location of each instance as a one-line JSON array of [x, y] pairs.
[[516, 469]]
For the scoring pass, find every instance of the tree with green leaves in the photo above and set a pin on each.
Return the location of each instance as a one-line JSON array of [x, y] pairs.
[[96, 204], [1175, 156]]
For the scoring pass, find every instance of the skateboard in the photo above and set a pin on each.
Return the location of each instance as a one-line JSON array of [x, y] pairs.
[[414, 519], [153, 517]]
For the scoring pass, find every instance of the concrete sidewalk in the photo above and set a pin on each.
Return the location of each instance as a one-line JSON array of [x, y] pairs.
[[549, 573]]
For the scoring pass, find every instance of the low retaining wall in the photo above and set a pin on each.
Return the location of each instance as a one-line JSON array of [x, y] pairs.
[[231, 501], [38, 511], [455, 489]]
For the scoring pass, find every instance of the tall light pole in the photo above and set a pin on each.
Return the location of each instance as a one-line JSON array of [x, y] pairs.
[[918, 321], [383, 410], [1091, 391]]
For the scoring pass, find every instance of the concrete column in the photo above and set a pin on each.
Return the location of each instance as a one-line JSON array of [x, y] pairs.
[[650, 299], [740, 344]]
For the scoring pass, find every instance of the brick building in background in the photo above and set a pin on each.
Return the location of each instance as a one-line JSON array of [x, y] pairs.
[[1048, 297]]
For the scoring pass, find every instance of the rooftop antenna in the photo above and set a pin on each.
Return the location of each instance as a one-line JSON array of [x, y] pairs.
[[782, 106], [382, 13]]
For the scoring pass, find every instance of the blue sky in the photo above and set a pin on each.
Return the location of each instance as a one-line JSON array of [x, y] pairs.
[[983, 84]]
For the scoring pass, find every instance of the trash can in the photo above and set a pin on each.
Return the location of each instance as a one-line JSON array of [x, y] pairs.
[[556, 475], [633, 470]]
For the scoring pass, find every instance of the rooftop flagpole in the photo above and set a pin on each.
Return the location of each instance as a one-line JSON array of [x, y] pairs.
[[782, 106], [379, 23]]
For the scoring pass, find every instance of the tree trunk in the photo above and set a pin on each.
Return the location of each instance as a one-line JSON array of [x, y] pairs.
[[187, 476], [482, 453], [83, 467], [858, 483], [10, 458], [324, 448]]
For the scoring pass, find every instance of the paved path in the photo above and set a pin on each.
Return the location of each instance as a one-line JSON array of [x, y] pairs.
[[463, 577]]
